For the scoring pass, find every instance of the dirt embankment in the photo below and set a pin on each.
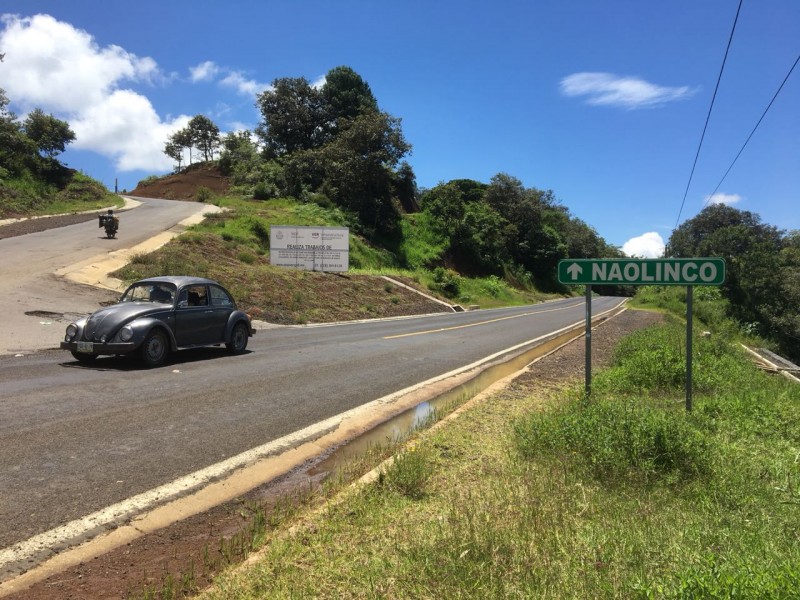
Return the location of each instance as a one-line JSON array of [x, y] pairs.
[[184, 185]]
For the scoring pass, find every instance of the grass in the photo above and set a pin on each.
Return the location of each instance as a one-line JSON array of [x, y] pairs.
[[26, 196], [543, 494], [238, 241]]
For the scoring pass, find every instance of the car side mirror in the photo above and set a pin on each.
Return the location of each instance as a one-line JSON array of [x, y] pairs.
[[183, 304]]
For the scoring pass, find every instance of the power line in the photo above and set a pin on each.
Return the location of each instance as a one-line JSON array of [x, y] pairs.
[[752, 132], [708, 116]]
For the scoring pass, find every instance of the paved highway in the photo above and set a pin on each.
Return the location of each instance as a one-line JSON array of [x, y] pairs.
[[75, 439]]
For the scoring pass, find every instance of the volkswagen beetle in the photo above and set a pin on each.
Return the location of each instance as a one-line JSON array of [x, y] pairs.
[[159, 315]]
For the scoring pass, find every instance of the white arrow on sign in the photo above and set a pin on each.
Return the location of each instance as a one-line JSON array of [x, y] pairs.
[[574, 270]]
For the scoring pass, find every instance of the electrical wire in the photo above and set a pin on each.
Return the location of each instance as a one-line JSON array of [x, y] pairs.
[[708, 116], [752, 132]]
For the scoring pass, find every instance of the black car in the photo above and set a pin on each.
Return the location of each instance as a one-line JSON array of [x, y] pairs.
[[159, 315]]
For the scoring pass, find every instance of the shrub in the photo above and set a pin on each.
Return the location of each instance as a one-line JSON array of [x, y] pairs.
[[618, 440], [265, 191], [204, 194], [447, 282], [260, 230]]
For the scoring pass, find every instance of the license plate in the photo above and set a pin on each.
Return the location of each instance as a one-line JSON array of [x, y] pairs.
[[86, 347]]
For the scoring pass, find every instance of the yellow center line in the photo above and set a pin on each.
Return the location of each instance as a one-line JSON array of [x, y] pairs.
[[527, 314]]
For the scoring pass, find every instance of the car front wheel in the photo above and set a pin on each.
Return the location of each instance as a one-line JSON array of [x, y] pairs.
[[155, 348], [239, 335]]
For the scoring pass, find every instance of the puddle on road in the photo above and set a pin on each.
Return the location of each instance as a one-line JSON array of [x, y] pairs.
[[427, 413]]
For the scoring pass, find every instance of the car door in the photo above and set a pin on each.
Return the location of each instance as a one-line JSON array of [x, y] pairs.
[[222, 305], [196, 321]]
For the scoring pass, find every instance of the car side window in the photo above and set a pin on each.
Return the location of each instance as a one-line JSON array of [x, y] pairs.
[[195, 295], [220, 297]]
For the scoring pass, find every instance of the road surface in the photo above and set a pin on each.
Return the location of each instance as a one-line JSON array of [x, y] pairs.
[[114, 440]]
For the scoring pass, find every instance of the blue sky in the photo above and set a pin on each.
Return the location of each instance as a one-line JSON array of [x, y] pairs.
[[601, 102]]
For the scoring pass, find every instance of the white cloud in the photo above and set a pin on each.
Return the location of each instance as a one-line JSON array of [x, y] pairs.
[[56, 67], [607, 89], [319, 82], [721, 198], [52, 65], [246, 87], [205, 71], [209, 71], [126, 127], [647, 245]]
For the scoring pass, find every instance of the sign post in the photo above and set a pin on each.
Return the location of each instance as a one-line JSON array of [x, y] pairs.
[[635, 271], [689, 303], [588, 370]]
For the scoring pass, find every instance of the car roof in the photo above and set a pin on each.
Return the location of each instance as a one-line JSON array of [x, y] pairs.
[[177, 280]]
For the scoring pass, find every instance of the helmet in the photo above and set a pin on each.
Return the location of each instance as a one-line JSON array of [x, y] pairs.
[[110, 211]]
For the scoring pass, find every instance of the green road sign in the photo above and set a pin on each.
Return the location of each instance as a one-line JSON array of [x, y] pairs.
[[639, 271]]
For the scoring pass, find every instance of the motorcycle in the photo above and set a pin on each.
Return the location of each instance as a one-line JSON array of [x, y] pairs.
[[111, 224]]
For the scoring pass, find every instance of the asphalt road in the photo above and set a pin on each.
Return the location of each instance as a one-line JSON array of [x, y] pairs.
[[75, 439], [37, 305]]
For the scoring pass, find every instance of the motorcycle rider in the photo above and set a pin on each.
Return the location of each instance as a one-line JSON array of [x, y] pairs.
[[110, 222]]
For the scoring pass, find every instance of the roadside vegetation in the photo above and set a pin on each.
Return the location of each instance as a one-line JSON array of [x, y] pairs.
[[32, 180], [233, 247], [544, 493]]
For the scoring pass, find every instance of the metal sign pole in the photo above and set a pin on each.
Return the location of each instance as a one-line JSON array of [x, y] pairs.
[[588, 340], [689, 302]]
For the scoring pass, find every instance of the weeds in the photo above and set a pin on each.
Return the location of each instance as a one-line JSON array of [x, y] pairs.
[[408, 473]]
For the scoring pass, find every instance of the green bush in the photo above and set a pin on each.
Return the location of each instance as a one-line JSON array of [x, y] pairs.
[[447, 282], [204, 194], [265, 191], [618, 440], [260, 230], [714, 578]]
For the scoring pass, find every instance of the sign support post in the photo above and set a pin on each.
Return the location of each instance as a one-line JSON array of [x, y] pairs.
[[588, 340], [689, 303]]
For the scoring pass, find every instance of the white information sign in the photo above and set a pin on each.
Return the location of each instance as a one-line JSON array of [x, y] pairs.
[[310, 248]]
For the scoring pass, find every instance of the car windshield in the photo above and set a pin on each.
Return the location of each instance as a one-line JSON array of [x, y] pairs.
[[162, 293]]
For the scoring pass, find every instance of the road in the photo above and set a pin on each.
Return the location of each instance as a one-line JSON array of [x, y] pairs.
[[37, 305], [77, 439]]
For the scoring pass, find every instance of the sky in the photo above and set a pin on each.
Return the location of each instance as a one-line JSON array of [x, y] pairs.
[[604, 103]]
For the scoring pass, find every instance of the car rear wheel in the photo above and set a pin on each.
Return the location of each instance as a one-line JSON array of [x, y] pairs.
[[239, 335], [83, 357], [155, 348]]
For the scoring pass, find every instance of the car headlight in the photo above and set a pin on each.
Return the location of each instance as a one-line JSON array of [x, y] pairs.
[[125, 334], [72, 331]]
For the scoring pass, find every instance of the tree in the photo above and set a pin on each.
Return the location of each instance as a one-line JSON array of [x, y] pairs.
[[761, 273], [405, 188], [346, 95], [695, 237], [204, 135], [51, 135], [293, 117], [15, 146], [445, 203], [358, 169], [479, 241], [175, 152], [178, 142]]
